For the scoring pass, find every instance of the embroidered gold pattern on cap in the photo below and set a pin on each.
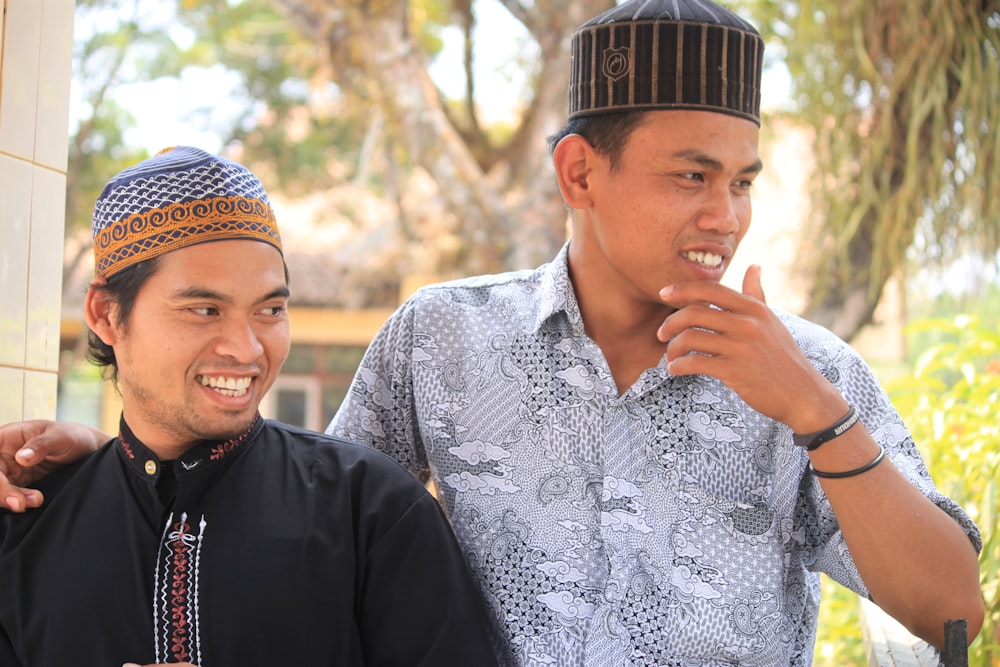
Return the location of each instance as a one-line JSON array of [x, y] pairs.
[[152, 233], [179, 197]]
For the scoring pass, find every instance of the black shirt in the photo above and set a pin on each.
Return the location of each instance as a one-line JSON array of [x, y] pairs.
[[280, 547]]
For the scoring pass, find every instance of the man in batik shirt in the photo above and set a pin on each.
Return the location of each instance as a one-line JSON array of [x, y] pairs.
[[645, 467]]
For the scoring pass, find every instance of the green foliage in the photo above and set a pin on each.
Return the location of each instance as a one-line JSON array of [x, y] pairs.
[[949, 401], [279, 74], [838, 637], [116, 42], [292, 113], [950, 404], [902, 98]]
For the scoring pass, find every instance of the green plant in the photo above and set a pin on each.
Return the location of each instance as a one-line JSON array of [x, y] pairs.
[[838, 637], [949, 401]]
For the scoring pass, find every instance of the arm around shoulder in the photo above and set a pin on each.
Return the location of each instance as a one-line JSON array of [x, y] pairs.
[[29, 450]]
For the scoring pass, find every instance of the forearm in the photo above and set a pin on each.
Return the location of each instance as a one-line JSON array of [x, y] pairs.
[[916, 561]]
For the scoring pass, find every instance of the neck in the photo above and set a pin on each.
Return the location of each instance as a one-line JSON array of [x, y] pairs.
[[624, 329]]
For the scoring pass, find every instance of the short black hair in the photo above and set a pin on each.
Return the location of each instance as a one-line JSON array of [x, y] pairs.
[[607, 133]]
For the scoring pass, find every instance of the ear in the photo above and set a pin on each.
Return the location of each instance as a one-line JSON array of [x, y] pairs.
[[100, 312], [574, 158]]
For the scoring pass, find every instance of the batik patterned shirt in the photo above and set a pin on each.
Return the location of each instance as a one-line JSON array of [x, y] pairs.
[[668, 525]]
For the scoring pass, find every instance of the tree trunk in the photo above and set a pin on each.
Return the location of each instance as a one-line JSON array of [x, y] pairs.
[[506, 202]]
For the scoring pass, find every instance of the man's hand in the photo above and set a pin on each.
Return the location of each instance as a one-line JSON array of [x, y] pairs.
[[29, 450], [735, 338]]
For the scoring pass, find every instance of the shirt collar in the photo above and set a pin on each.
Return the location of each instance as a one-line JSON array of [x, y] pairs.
[[557, 294], [202, 456]]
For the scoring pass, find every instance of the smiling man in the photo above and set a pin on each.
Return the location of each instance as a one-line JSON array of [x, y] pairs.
[[644, 466], [649, 468], [203, 533]]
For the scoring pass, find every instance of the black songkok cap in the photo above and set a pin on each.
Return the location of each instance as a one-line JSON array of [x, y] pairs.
[[666, 54]]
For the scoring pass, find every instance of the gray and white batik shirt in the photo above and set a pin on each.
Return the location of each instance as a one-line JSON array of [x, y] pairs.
[[670, 525]]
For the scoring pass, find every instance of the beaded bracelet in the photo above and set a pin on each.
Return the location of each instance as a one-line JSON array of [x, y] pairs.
[[850, 473], [811, 441]]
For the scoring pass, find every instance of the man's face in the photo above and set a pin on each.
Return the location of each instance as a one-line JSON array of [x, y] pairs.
[[207, 336], [677, 207]]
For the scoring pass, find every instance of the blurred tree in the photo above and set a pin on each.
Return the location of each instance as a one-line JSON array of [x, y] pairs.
[[902, 97], [904, 100], [336, 92], [101, 62], [487, 177]]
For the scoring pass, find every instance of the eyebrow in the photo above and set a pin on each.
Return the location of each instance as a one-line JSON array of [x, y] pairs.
[[709, 162], [212, 295]]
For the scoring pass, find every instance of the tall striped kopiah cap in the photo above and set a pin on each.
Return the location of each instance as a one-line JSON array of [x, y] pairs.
[[666, 54], [178, 198]]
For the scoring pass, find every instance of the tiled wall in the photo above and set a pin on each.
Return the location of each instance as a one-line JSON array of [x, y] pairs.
[[36, 52]]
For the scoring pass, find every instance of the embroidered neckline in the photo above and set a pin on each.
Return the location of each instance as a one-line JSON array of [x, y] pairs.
[[217, 450]]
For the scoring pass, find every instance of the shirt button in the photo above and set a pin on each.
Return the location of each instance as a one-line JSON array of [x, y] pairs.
[[150, 467]]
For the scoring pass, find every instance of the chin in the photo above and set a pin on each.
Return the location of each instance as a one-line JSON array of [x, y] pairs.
[[228, 428]]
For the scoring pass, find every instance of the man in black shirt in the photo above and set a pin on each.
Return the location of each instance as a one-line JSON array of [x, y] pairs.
[[204, 534]]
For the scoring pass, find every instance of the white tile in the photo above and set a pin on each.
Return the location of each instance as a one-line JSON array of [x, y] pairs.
[[11, 394], [3, 11], [15, 220], [20, 78], [39, 395], [45, 261], [54, 71]]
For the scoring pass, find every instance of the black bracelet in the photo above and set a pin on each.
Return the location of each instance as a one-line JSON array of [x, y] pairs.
[[850, 473], [811, 441]]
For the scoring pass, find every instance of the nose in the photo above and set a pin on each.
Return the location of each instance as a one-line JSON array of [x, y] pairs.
[[724, 212], [238, 340]]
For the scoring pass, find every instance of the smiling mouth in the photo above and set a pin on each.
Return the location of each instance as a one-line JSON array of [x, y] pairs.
[[708, 259], [227, 386]]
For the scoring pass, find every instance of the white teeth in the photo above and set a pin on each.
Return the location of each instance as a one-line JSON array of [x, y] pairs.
[[227, 386], [704, 258]]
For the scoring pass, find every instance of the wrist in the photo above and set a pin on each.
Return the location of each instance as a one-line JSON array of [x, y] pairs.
[[812, 441]]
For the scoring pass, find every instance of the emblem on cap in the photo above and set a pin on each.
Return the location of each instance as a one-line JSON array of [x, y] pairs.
[[616, 63]]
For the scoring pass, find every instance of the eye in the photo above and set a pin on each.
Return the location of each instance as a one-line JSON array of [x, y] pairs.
[[693, 176], [206, 311], [274, 311], [744, 185]]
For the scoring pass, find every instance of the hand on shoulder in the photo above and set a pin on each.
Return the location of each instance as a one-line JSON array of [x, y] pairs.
[[29, 450]]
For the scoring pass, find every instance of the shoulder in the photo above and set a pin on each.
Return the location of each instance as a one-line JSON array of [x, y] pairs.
[[818, 343], [476, 290], [347, 461], [63, 488], [351, 480]]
